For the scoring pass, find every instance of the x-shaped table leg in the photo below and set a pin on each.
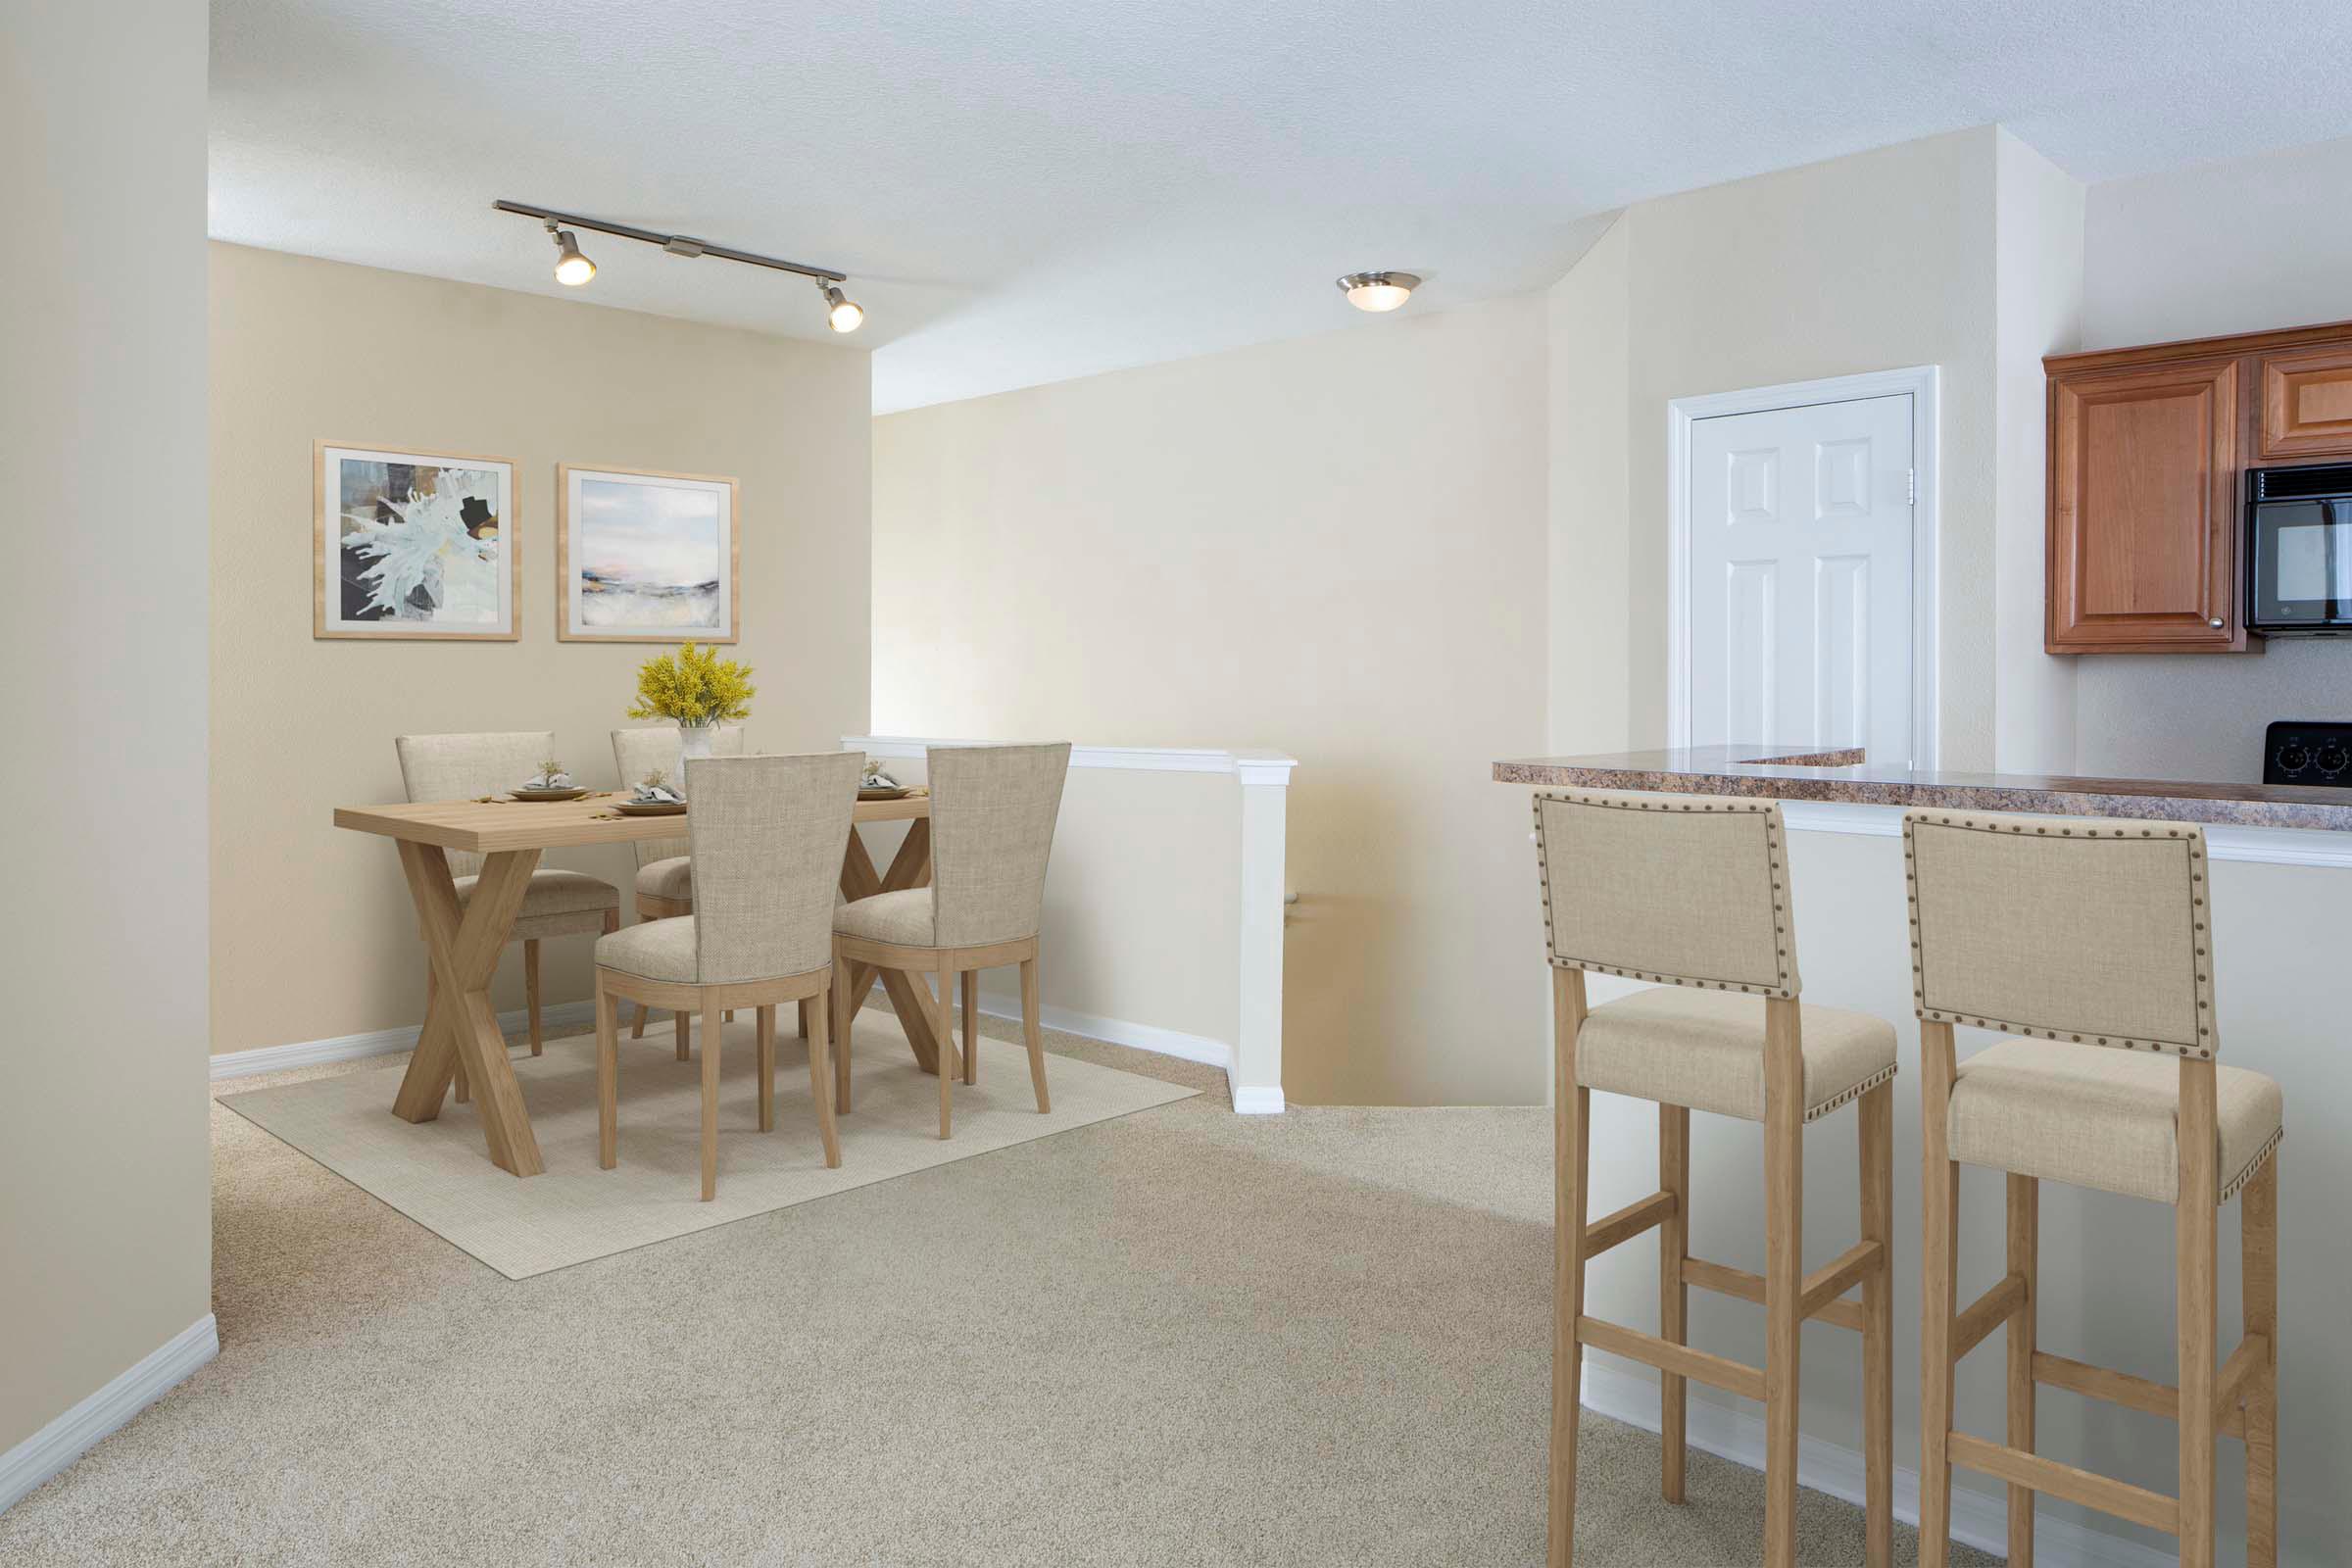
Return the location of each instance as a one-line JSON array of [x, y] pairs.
[[908, 998], [465, 943]]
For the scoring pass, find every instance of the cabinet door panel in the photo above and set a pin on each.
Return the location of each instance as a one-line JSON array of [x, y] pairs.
[[2143, 509], [2307, 403]]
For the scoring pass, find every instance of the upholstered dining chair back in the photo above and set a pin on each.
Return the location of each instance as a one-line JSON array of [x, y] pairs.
[[460, 768], [993, 810], [1680, 889], [2069, 928], [638, 753], [767, 834]]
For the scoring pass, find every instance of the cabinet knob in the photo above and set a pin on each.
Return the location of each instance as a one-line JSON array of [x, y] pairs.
[[2215, 623]]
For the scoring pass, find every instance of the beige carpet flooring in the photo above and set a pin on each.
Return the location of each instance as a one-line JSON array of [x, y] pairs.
[[1182, 1337], [439, 1174]]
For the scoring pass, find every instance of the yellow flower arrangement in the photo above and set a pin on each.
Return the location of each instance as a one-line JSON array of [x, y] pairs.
[[694, 686]]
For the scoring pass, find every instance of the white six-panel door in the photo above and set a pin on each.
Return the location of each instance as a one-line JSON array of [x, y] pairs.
[[1800, 577]]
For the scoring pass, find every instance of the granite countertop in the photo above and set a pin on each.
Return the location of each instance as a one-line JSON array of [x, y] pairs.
[[1796, 773]]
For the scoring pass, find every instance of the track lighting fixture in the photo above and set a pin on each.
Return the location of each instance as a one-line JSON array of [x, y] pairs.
[[1378, 291], [570, 266], [842, 313]]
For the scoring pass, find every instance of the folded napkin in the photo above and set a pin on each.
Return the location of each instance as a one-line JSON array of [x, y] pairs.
[[547, 781], [876, 779], [649, 792]]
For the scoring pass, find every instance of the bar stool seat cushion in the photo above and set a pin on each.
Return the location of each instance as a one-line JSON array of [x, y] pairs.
[[654, 949], [904, 919], [672, 878], [555, 893], [2096, 1116], [1681, 1045]]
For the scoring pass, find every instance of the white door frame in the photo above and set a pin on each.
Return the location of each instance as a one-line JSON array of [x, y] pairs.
[[1923, 383]]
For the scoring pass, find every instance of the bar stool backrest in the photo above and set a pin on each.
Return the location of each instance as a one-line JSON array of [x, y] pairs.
[[460, 768], [767, 834], [2069, 928], [1680, 889], [993, 810], [655, 749]]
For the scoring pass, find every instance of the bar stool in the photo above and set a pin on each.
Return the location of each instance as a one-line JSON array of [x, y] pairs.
[[1693, 895], [2080, 935], [664, 868]]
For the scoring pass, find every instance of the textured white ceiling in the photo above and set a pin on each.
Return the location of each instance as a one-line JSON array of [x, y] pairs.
[[1023, 191]]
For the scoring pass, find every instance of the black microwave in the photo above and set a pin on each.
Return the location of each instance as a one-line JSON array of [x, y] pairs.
[[2299, 551]]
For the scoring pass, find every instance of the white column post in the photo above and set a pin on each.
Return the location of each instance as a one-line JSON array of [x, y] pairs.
[[1256, 1075]]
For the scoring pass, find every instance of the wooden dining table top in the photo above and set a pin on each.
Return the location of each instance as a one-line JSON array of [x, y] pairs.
[[490, 827]]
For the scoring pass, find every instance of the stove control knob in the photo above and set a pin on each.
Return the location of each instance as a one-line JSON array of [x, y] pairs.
[[2333, 759], [2294, 757]]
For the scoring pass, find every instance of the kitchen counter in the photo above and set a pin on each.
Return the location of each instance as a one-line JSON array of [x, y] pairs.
[[1843, 776]]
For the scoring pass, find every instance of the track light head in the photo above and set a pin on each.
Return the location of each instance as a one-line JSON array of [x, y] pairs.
[[1378, 291], [842, 313], [571, 267]]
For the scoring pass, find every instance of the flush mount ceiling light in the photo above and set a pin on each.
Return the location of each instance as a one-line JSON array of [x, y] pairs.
[[842, 313], [570, 266], [1378, 291]]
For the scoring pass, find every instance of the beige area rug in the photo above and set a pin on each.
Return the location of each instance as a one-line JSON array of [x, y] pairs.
[[439, 1174]]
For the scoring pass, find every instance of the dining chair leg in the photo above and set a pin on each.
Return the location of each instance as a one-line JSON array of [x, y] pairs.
[[608, 1079], [2258, 1255], [806, 1005], [2195, 1219], [637, 1029], [767, 1068], [819, 1071], [845, 1016], [684, 1053], [1571, 1163], [2025, 1256], [1877, 1139], [1940, 1227], [1674, 1297], [971, 983], [1033, 1035], [711, 1034], [1784, 1274], [530, 991], [942, 1029]]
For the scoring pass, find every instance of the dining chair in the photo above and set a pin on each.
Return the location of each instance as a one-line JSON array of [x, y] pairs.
[[1693, 896], [2092, 942], [557, 904], [765, 837], [665, 870], [993, 810]]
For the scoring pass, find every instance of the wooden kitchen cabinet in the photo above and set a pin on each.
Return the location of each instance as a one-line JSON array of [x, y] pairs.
[[2148, 449]]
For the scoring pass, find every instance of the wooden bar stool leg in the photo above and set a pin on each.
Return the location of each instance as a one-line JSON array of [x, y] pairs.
[[2025, 1256], [1939, 1206], [1572, 1105], [971, 1026], [1784, 1273], [608, 1079], [710, 1104], [766, 1036], [819, 1074], [1673, 1297], [2259, 1252], [530, 991], [2196, 1218], [1877, 1139]]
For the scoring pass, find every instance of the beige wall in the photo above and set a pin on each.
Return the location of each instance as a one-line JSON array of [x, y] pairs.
[[1590, 375], [1333, 547], [313, 936], [105, 1188], [2229, 247]]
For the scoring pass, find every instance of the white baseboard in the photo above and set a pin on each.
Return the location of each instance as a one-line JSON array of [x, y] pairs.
[[1250, 1101], [81, 1429], [1978, 1520], [1257, 1101], [564, 1015]]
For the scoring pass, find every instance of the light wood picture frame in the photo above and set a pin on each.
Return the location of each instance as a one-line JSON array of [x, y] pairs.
[[645, 556], [411, 545]]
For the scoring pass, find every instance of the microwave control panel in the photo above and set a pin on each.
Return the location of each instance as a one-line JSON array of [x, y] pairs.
[[2308, 754]]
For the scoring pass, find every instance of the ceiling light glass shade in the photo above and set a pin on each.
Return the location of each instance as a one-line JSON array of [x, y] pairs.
[[571, 266], [843, 314], [1378, 291]]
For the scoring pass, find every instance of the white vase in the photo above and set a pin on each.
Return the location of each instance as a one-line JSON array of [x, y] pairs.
[[694, 739]]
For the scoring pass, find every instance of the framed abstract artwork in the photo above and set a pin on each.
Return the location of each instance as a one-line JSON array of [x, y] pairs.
[[643, 556], [411, 543]]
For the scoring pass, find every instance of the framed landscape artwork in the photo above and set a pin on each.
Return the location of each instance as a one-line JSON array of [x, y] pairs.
[[644, 557], [411, 543]]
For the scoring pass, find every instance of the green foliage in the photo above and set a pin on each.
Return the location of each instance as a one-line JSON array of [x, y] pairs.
[[694, 686]]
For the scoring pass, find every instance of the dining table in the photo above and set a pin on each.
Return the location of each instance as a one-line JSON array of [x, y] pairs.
[[464, 939]]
